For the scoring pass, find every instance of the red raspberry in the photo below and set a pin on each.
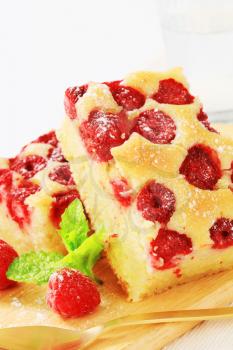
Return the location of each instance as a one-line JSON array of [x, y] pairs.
[[167, 248], [60, 203], [172, 92], [203, 118], [126, 96], [62, 175], [6, 182], [71, 294], [50, 138], [155, 126], [201, 167], [28, 166], [222, 233], [56, 155], [72, 95], [122, 191], [102, 131], [156, 202], [6, 179], [17, 208], [7, 255]]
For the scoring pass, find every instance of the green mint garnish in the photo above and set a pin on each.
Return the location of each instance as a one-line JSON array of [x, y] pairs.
[[85, 257], [28, 267], [84, 251], [74, 226]]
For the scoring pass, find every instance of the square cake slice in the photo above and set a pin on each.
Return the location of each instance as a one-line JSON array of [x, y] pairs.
[[156, 174], [35, 188]]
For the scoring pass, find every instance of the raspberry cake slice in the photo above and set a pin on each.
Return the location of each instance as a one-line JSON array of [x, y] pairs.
[[153, 171], [35, 188]]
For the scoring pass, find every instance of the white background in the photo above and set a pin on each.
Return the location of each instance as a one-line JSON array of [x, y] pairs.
[[48, 45]]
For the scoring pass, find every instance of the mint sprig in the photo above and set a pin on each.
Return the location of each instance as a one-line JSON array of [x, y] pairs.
[[85, 257], [28, 267], [74, 226], [84, 251]]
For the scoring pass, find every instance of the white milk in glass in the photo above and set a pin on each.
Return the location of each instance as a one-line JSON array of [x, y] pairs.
[[198, 36]]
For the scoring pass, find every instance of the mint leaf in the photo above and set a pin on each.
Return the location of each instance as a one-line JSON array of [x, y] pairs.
[[85, 257], [74, 226], [82, 258], [84, 251], [37, 267], [28, 266]]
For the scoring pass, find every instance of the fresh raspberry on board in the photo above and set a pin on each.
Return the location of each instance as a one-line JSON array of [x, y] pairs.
[[7, 255], [71, 294], [172, 92], [155, 126], [201, 167], [156, 202]]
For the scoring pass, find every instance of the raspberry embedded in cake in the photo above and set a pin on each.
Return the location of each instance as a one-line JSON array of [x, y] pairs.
[[222, 233], [16, 205], [6, 180], [26, 198], [72, 95], [56, 155], [155, 126], [28, 166], [168, 248], [50, 138], [156, 202], [122, 191], [102, 131], [60, 202], [202, 167], [126, 96], [62, 175], [203, 118], [172, 92]]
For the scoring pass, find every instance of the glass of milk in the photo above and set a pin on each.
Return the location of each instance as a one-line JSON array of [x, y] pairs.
[[198, 35]]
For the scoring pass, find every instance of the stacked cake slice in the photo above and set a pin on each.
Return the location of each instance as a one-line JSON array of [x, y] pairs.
[[35, 188], [152, 170]]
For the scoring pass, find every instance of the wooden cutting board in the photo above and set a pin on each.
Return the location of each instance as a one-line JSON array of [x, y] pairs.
[[25, 305]]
